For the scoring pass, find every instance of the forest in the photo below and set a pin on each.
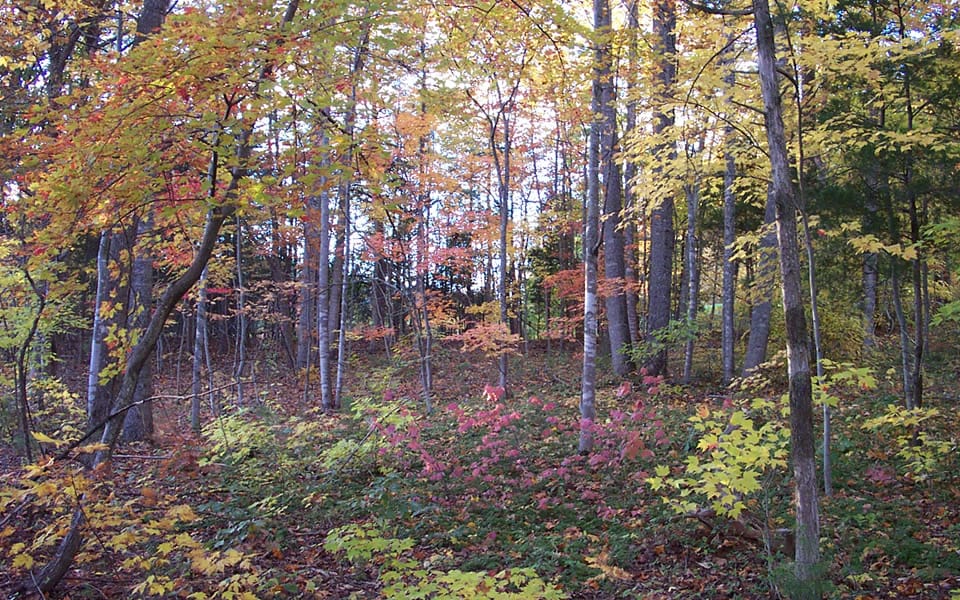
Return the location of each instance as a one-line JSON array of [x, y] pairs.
[[479, 299]]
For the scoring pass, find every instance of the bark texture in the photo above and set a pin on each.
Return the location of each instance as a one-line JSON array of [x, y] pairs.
[[138, 422], [614, 265], [728, 331], [591, 246], [807, 553], [760, 312], [662, 234]]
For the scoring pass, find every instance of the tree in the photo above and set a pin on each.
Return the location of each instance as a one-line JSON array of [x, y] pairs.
[[614, 266], [139, 354], [764, 284], [662, 234], [591, 237], [798, 356], [138, 422], [730, 265]]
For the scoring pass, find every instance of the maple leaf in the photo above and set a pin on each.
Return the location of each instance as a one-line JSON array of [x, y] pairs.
[[23, 560]]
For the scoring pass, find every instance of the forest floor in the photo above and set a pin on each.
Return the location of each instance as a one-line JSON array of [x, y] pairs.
[[486, 497]]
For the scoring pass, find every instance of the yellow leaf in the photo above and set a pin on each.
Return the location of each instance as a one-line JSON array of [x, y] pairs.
[[46, 439], [91, 448], [202, 563], [23, 560], [182, 512]]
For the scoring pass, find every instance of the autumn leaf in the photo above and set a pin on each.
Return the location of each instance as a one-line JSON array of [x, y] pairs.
[[45, 439], [23, 560]]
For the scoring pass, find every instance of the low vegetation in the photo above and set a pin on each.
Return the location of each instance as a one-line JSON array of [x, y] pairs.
[[685, 496]]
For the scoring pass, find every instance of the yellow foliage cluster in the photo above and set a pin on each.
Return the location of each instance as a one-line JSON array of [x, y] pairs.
[[404, 576], [143, 536]]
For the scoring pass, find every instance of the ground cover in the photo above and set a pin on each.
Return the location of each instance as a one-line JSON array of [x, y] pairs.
[[486, 497]]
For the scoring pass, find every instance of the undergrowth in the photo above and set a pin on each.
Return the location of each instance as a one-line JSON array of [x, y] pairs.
[[685, 496]]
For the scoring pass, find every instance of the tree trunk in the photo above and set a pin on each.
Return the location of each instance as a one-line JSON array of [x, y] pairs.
[[618, 328], [919, 327], [97, 399], [336, 269], [503, 175], [728, 336], [200, 345], [241, 360], [591, 241], [53, 572], [818, 353], [871, 260], [307, 289], [761, 311], [138, 422], [344, 305], [346, 179], [21, 370], [323, 298], [693, 277], [662, 235], [807, 553], [915, 400]]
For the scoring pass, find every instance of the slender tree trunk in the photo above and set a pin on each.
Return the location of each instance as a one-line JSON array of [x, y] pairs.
[[871, 268], [344, 305], [307, 288], [729, 294], [915, 400], [138, 422], [818, 352], [798, 359], [97, 400], [618, 327], [591, 241], [336, 269], [919, 326], [730, 266], [693, 276], [21, 370], [503, 173], [662, 235], [630, 270], [762, 309], [241, 361], [200, 343], [346, 179], [323, 300], [906, 357]]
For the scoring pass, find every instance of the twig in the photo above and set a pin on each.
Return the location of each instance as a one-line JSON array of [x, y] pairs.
[[373, 427], [26, 501], [36, 584], [144, 456]]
